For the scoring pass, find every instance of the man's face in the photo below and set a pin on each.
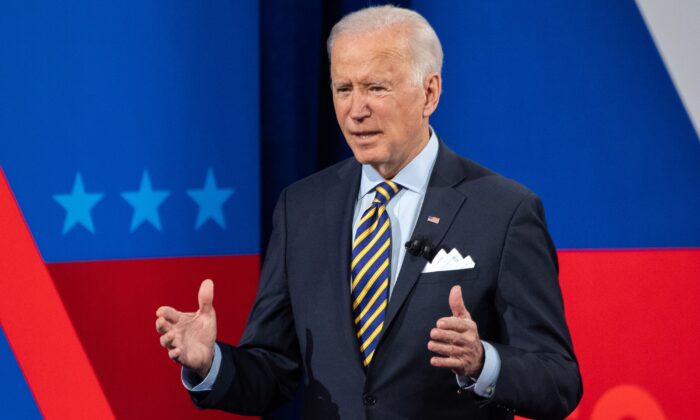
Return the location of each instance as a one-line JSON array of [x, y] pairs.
[[379, 108]]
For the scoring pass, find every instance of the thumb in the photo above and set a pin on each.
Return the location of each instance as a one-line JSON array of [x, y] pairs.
[[206, 296], [457, 303]]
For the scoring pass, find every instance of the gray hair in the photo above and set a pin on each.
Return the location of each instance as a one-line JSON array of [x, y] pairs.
[[425, 51]]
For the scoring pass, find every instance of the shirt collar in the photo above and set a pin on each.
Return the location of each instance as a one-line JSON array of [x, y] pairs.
[[414, 176]]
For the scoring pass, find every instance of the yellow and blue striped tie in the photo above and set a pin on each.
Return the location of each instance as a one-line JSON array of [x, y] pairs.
[[371, 267]]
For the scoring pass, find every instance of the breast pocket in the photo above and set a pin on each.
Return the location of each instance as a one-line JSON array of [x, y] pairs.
[[450, 276]]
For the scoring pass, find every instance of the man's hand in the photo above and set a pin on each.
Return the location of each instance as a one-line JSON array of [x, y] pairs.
[[457, 340], [190, 336]]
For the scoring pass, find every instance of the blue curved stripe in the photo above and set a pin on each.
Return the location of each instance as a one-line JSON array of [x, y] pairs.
[[16, 400]]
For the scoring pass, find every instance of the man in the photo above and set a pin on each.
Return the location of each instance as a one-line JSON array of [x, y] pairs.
[[372, 330]]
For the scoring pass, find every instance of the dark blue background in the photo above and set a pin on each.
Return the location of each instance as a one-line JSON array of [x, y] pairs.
[[573, 100], [110, 89]]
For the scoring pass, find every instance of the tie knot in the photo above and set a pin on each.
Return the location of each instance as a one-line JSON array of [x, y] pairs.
[[386, 191]]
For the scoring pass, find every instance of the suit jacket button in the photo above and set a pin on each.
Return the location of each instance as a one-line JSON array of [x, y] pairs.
[[368, 400]]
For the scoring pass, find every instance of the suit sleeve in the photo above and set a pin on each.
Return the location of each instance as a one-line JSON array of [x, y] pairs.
[[539, 375], [264, 370]]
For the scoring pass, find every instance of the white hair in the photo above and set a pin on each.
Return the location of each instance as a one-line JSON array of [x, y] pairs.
[[424, 49]]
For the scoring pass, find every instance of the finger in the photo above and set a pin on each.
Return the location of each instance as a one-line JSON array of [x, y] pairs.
[[446, 362], [166, 340], [457, 303], [176, 342], [206, 296], [443, 349], [455, 324], [174, 354], [163, 326], [447, 336], [170, 314]]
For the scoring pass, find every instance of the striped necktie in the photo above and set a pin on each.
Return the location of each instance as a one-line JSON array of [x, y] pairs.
[[371, 266]]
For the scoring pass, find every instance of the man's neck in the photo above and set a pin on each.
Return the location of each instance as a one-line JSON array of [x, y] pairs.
[[389, 171]]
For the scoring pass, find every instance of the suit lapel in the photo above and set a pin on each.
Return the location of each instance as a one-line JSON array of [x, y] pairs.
[[441, 200], [339, 205]]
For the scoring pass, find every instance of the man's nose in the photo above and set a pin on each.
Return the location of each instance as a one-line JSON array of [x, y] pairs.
[[359, 109]]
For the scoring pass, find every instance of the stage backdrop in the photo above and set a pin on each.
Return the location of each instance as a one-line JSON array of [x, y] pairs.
[[577, 100], [130, 140], [129, 136]]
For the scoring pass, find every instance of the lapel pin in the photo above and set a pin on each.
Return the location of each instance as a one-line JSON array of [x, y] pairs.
[[434, 219]]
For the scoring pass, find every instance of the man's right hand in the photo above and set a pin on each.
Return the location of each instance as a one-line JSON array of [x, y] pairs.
[[189, 336]]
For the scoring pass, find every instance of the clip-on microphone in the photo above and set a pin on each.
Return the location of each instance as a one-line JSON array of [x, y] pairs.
[[421, 247]]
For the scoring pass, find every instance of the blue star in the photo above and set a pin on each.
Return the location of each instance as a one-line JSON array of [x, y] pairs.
[[78, 205], [145, 202], [210, 199]]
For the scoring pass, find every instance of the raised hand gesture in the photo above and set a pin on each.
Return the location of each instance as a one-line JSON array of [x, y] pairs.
[[456, 340], [189, 336]]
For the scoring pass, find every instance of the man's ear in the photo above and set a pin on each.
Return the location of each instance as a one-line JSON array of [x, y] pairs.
[[432, 87]]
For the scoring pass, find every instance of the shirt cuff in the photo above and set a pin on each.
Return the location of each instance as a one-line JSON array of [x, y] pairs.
[[485, 384], [189, 378]]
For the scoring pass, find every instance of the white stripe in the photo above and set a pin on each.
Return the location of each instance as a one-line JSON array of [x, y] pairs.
[[675, 27]]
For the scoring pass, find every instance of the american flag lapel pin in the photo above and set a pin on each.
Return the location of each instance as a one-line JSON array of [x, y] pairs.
[[434, 219]]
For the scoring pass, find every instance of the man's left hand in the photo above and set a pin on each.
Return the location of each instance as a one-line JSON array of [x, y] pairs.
[[456, 339]]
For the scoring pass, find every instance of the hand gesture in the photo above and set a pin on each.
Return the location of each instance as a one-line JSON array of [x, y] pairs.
[[189, 336], [456, 339]]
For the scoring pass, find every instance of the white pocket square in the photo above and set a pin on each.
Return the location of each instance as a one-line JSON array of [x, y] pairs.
[[448, 261]]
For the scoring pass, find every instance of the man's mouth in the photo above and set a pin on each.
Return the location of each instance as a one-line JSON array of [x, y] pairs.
[[365, 135]]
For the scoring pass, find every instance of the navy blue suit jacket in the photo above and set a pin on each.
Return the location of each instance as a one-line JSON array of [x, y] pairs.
[[300, 328]]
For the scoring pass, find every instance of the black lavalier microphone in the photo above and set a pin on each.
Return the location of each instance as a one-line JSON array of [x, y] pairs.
[[421, 247]]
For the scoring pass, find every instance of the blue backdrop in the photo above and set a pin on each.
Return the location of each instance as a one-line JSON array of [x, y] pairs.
[[152, 129], [122, 92]]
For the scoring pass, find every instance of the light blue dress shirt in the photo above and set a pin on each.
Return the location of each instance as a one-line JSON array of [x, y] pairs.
[[403, 212]]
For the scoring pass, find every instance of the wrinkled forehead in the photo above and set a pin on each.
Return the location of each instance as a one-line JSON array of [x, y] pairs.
[[381, 51]]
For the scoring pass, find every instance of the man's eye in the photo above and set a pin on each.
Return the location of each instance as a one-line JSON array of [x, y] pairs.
[[377, 88], [342, 89]]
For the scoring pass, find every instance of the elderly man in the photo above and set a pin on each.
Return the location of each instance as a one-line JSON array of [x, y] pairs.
[[466, 321]]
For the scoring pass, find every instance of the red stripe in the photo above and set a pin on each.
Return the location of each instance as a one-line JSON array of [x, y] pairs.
[[113, 304], [37, 327], [634, 317]]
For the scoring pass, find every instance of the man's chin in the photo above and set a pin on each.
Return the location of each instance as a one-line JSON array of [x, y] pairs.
[[367, 159]]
